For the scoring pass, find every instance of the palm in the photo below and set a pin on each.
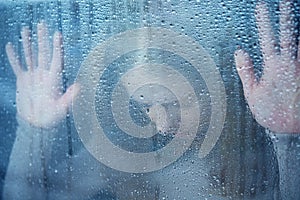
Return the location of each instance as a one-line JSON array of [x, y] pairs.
[[39, 96], [275, 99], [36, 101]]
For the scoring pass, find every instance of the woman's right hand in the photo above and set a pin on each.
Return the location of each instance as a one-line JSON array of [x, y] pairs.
[[39, 99]]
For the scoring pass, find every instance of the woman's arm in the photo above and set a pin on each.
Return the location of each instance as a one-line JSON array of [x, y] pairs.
[[287, 147], [26, 176], [275, 99], [41, 106]]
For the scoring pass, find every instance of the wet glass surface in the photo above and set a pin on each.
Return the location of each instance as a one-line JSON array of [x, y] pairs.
[[173, 85]]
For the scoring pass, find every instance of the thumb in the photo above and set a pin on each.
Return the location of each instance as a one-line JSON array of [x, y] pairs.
[[245, 70], [66, 100]]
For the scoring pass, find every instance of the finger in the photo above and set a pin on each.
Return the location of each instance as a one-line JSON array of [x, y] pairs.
[[57, 55], [13, 59], [266, 36], [26, 38], [245, 70], [43, 46], [66, 100], [287, 31]]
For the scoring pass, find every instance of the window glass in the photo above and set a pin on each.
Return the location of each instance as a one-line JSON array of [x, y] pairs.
[[138, 99]]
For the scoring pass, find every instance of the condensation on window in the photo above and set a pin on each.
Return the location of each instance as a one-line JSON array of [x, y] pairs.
[[159, 110]]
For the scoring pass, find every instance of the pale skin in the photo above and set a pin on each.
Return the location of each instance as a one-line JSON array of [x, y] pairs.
[[39, 97], [274, 99]]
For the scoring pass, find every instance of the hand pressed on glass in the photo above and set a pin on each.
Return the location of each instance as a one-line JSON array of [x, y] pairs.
[[275, 99], [39, 97]]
